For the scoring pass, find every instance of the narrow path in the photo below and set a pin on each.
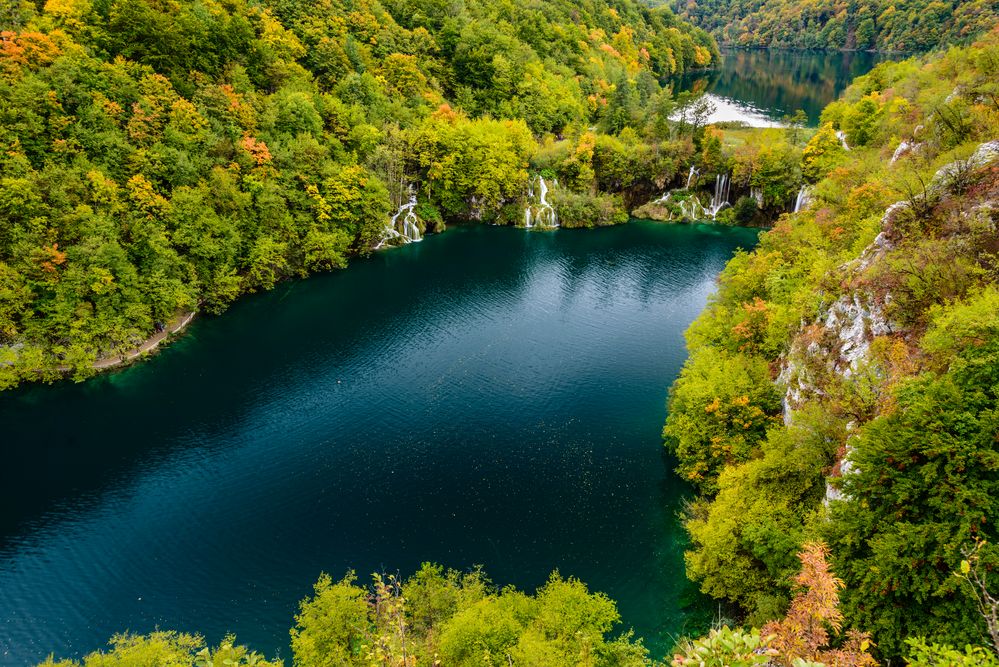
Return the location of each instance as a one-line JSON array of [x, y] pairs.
[[148, 345], [151, 343]]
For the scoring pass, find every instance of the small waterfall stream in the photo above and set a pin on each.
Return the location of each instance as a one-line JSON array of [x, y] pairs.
[[841, 135], [539, 213], [804, 198], [720, 200], [408, 231], [692, 177]]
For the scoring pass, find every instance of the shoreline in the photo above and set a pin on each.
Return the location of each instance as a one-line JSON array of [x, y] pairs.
[[180, 322], [175, 326]]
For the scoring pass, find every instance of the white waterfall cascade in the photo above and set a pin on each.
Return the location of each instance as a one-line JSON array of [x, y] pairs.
[[841, 135], [691, 207], [408, 231], [539, 214], [692, 177], [804, 198], [757, 194], [720, 200]]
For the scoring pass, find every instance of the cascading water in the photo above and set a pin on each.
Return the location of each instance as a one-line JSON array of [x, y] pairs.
[[406, 231], [539, 213], [692, 177], [757, 194], [804, 198], [841, 135], [689, 205], [720, 200]]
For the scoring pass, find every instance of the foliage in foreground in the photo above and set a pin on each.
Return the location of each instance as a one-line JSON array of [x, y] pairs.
[[444, 618], [167, 649], [435, 617]]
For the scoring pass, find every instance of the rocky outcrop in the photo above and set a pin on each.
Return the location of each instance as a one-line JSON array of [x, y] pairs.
[[837, 343]]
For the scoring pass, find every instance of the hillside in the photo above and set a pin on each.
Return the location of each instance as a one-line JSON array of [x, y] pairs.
[[920, 25], [166, 157], [841, 386]]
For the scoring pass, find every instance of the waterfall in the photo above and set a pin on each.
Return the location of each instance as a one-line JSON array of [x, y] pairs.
[[693, 209], [406, 232], [720, 200], [757, 194], [689, 204], [804, 198], [841, 135], [691, 176], [538, 212]]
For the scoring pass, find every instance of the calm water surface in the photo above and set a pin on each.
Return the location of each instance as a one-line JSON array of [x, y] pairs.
[[489, 396], [759, 86]]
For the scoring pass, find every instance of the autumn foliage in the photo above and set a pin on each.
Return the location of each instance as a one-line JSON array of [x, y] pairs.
[[814, 621]]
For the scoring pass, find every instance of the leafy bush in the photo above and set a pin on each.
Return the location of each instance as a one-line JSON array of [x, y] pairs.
[[587, 210]]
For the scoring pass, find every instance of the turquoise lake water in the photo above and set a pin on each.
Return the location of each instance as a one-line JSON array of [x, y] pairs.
[[488, 396]]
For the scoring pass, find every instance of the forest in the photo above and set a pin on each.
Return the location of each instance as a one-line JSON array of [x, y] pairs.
[[841, 385], [165, 157], [918, 25]]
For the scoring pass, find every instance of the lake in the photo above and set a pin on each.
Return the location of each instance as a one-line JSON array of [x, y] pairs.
[[759, 86], [488, 396]]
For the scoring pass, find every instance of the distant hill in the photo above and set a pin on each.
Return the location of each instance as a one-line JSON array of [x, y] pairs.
[[919, 25]]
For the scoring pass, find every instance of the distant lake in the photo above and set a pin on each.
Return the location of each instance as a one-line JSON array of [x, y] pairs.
[[759, 86], [488, 396]]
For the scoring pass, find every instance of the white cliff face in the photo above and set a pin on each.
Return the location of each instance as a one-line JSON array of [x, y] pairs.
[[986, 153], [845, 467], [838, 345], [905, 147], [855, 321], [838, 342]]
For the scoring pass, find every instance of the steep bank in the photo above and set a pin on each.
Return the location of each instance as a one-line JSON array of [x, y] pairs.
[[841, 384]]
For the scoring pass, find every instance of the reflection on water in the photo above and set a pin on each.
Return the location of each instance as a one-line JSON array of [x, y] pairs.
[[771, 83]]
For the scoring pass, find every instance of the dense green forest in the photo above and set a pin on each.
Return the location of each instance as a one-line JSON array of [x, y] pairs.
[[164, 157], [917, 25], [842, 384]]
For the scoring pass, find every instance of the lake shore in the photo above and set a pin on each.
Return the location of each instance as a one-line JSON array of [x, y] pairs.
[[174, 326]]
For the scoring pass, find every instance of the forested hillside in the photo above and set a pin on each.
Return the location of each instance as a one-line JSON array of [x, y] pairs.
[[842, 385], [919, 25], [162, 157]]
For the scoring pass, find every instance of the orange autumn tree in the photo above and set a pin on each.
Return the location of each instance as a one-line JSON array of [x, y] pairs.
[[814, 619]]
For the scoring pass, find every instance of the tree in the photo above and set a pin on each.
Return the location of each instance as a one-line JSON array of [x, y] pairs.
[[331, 627], [167, 649], [803, 634]]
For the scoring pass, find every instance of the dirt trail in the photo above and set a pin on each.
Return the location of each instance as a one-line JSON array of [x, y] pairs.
[[151, 343]]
